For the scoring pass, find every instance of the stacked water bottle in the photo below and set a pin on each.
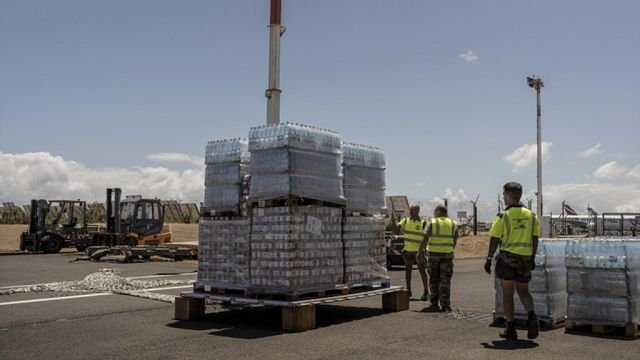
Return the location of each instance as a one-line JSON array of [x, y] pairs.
[[295, 160], [223, 253], [364, 177], [224, 230], [547, 286], [603, 282], [296, 249], [291, 248], [364, 184], [364, 251], [227, 162]]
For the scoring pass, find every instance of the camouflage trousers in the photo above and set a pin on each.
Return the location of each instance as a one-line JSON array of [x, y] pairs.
[[440, 270]]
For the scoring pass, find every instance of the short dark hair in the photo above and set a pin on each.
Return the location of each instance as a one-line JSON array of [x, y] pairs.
[[514, 189], [441, 209]]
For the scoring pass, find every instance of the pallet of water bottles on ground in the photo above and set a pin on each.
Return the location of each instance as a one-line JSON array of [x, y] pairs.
[[547, 288], [603, 286], [277, 222], [591, 286]]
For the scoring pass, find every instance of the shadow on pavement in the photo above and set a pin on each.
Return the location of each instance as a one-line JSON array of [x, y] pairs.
[[265, 321], [510, 344], [431, 309]]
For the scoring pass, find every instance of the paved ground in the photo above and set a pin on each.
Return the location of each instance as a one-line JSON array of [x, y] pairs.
[[118, 326]]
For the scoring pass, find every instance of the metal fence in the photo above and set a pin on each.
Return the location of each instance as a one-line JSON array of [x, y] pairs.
[[605, 224], [618, 224]]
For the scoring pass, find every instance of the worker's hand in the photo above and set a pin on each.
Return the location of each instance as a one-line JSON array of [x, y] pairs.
[[533, 264], [487, 266]]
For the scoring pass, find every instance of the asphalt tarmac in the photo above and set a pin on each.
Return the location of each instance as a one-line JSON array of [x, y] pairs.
[[110, 326]]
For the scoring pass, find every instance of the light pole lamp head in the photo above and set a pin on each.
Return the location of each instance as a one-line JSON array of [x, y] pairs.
[[534, 82]]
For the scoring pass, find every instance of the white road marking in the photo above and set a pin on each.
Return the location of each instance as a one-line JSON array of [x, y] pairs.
[[85, 296], [53, 299]]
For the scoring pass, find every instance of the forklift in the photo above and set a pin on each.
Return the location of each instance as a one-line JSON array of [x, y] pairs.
[[53, 224], [135, 229], [133, 222]]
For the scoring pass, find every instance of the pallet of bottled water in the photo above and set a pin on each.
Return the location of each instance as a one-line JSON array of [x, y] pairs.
[[223, 254], [268, 187], [547, 286], [226, 165], [295, 160], [363, 155], [603, 282], [296, 249], [227, 150], [293, 135], [364, 251], [364, 177]]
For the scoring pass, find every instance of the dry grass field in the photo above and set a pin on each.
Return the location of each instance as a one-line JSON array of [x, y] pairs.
[[472, 246], [10, 236], [468, 246]]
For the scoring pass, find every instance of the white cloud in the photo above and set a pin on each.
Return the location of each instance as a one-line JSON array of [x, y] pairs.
[[456, 200], [421, 184], [634, 173], [611, 170], [42, 175], [595, 150], [526, 155], [469, 56], [176, 157], [601, 197]]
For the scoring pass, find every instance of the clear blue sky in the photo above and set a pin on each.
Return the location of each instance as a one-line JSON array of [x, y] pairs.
[[127, 93]]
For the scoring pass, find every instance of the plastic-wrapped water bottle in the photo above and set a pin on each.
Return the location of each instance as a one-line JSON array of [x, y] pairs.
[[540, 256]]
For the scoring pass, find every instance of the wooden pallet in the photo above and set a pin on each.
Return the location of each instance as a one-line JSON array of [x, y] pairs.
[[303, 295], [356, 288], [292, 201], [209, 213], [629, 331], [263, 295], [219, 290], [225, 216], [545, 322], [362, 213], [297, 315]]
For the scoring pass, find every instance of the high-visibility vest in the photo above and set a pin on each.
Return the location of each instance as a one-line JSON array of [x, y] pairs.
[[443, 231], [520, 225], [413, 232]]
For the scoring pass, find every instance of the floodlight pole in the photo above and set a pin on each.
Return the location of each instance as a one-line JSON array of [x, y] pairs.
[[276, 29], [537, 84], [475, 215]]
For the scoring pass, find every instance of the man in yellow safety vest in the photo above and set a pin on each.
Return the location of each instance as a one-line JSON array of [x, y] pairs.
[[412, 228], [440, 239], [516, 232]]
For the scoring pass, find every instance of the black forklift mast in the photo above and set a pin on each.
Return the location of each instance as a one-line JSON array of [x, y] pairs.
[[37, 218], [113, 211]]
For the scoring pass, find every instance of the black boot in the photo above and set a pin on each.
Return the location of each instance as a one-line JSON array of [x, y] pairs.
[[532, 325], [510, 332]]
